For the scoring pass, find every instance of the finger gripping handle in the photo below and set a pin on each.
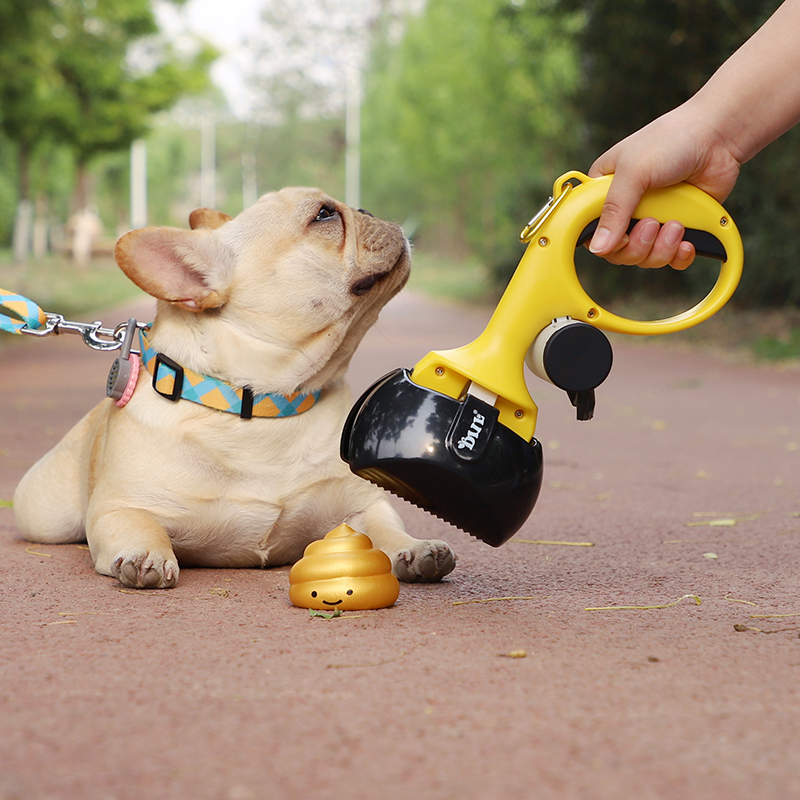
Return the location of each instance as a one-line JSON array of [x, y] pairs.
[[705, 244], [709, 227]]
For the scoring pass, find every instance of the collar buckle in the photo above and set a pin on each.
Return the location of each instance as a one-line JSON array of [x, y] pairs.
[[177, 384]]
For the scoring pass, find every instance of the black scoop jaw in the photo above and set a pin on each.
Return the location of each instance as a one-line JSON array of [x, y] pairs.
[[449, 457]]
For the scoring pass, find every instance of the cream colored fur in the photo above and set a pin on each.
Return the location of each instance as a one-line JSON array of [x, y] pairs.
[[276, 299]]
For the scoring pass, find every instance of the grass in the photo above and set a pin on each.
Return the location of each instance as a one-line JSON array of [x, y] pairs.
[[764, 336], [449, 278], [770, 348], [735, 333], [58, 286]]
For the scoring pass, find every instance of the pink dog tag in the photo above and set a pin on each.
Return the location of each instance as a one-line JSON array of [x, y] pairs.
[[131, 385], [124, 371]]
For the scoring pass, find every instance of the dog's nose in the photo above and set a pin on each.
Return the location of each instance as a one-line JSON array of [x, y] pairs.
[[363, 211]]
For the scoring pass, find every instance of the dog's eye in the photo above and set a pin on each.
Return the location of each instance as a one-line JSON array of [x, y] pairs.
[[326, 212], [364, 285]]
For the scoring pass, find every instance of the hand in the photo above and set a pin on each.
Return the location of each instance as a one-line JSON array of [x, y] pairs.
[[650, 245], [673, 148]]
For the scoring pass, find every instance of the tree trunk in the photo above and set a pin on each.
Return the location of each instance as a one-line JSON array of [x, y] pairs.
[[41, 225], [24, 218], [82, 193]]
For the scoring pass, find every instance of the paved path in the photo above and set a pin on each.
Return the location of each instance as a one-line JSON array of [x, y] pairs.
[[221, 689]]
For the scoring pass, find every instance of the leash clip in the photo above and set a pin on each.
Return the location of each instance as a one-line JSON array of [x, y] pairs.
[[93, 333], [50, 326], [541, 216]]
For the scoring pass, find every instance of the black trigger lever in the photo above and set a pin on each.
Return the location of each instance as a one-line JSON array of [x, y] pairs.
[[584, 402]]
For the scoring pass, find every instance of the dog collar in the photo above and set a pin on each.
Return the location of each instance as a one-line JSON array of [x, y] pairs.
[[174, 382]]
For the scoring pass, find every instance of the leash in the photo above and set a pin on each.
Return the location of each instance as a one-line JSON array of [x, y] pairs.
[[26, 313], [20, 315], [27, 317]]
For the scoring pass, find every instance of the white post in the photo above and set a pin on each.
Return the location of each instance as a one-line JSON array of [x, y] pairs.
[[138, 184], [22, 231], [249, 185], [208, 161], [352, 160]]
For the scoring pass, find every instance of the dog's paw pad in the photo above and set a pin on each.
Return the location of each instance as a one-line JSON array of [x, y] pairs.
[[425, 562], [139, 569]]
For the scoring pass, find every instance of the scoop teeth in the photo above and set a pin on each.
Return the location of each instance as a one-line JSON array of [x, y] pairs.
[[422, 508], [432, 513]]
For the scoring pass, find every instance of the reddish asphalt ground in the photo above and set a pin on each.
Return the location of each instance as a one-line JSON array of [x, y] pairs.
[[221, 689]]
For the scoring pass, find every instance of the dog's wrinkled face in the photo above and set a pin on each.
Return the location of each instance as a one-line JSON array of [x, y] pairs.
[[324, 259], [295, 280]]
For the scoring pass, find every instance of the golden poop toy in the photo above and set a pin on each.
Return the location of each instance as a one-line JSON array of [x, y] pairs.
[[455, 435], [343, 571]]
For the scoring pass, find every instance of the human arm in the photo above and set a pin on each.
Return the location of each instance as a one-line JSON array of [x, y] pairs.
[[751, 100]]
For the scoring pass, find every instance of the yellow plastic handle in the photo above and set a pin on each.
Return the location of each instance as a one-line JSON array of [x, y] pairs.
[[687, 204], [545, 286]]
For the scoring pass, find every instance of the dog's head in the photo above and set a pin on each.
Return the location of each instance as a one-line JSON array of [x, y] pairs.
[[277, 298]]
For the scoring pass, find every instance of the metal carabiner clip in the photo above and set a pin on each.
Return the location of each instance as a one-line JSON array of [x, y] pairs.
[[93, 333], [51, 326], [541, 216]]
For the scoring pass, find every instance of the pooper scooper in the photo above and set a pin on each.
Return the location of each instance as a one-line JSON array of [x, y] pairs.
[[455, 434]]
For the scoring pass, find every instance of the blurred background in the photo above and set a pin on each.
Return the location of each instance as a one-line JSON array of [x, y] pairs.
[[452, 117]]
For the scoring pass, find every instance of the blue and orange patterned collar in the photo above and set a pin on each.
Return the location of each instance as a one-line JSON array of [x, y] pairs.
[[174, 382]]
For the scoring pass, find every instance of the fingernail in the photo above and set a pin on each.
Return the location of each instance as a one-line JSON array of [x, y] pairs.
[[650, 231], [600, 240], [673, 233]]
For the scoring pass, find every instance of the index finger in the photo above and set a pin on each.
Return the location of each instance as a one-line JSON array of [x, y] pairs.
[[621, 201]]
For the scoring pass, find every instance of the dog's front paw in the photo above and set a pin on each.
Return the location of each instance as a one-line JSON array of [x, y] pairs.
[[140, 569], [425, 562]]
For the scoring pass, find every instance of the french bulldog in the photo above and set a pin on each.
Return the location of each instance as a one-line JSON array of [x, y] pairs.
[[267, 309]]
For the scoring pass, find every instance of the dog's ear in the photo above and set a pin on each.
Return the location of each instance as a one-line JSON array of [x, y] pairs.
[[189, 268], [207, 218]]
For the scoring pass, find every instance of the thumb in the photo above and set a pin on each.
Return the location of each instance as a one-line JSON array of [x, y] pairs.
[[621, 201]]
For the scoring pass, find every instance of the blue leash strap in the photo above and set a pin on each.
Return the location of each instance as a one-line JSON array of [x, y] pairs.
[[18, 312]]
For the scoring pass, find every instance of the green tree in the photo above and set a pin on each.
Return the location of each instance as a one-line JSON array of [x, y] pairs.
[[462, 122], [8, 180], [87, 75], [25, 79], [638, 60], [111, 72]]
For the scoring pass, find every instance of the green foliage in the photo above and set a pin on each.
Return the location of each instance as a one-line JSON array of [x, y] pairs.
[[471, 109], [300, 152], [55, 285], [463, 279], [87, 75], [639, 59], [765, 206], [461, 124], [481, 103], [105, 91], [772, 349], [8, 179]]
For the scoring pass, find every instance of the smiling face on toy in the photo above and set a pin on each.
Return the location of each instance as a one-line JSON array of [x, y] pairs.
[[346, 594], [315, 594], [343, 571]]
